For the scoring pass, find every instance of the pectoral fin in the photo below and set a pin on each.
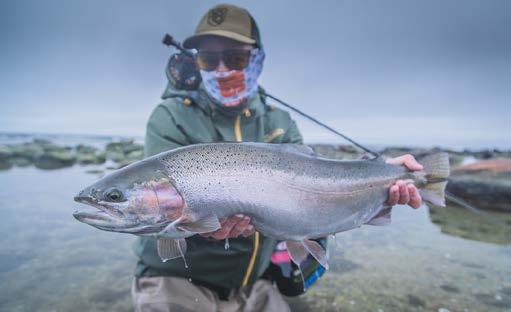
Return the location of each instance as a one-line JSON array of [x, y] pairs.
[[298, 251], [315, 249], [207, 224], [171, 248]]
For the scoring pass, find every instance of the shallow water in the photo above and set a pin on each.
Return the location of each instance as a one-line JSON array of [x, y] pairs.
[[51, 262]]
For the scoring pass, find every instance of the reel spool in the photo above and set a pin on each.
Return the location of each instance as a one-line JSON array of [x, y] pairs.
[[182, 70]]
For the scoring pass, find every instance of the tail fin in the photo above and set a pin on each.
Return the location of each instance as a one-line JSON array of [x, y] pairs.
[[436, 168]]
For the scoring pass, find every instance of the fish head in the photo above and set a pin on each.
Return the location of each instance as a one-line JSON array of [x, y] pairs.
[[138, 199]]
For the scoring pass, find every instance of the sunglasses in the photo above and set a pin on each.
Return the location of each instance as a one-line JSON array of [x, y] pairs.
[[235, 59]]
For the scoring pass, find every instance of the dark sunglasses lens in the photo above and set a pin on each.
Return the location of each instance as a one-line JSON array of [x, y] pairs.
[[208, 61], [236, 59]]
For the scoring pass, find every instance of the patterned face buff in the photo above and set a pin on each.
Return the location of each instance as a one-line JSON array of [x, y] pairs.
[[232, 87]]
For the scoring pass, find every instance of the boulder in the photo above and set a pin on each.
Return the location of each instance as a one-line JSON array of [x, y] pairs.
[[485, 184], [20, 161], [489, 227], [5, 153], [85, 149], [55, 160], [26, 150]]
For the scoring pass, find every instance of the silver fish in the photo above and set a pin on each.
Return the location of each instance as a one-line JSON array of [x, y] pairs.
[[290, 193]]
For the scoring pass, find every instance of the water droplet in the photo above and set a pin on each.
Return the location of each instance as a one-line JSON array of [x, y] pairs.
[[226, 246], [196, 299], [190, 279]]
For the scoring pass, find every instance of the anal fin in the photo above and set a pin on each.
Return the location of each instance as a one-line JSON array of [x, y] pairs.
[[298, 251], [317, 251]]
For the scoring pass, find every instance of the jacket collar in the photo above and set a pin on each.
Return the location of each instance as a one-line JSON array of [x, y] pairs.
[[200, 97]]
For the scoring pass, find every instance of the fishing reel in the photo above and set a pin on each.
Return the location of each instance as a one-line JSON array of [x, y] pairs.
[[182, 70]]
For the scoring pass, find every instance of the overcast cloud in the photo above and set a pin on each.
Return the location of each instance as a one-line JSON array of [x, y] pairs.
[[385, 72]]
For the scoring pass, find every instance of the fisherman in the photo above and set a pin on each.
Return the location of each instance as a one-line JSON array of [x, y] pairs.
[[228, 107]]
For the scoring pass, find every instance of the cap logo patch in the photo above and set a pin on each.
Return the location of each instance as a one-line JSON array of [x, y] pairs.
[[217, 16]]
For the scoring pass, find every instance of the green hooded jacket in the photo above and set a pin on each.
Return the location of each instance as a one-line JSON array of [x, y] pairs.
[[178, 121]]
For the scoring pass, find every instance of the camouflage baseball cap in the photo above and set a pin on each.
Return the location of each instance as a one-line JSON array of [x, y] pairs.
[[227, 21]]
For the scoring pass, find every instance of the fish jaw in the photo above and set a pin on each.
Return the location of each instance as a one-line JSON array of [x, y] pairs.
[[106, 217], [87, 199]]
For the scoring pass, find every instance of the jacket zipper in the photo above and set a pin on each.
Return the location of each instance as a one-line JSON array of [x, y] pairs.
[[250, 268]]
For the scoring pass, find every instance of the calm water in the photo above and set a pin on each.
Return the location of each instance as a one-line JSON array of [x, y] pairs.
[[51, 262]]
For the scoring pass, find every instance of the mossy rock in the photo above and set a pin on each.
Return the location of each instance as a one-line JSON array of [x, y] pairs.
[[5, 152], [26, 150], [90, 158], [135, 155], [20, 161], [85, 149], [119, 145], [55, 160], [48, 146], [484, 189], [490, 227], [116, 156], [127, 149]]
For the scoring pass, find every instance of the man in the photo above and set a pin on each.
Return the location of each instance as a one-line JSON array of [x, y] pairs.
[[228, 108]]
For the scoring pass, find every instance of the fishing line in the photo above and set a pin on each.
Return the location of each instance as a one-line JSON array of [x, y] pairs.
[[263, 93]]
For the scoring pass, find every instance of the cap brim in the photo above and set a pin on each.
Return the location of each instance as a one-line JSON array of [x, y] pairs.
[[193, 41]]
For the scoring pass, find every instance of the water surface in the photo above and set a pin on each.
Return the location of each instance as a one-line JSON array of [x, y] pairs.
[[51, 262]]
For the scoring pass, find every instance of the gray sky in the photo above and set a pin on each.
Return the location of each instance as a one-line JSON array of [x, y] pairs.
[[384, 72]]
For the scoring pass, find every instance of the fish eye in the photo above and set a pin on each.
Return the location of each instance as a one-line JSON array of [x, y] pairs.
[[114, 195]]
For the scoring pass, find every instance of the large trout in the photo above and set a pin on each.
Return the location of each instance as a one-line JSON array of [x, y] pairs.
[[289, 192]]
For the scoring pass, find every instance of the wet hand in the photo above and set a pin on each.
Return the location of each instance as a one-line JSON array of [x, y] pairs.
[[232, 227], [401, 192]]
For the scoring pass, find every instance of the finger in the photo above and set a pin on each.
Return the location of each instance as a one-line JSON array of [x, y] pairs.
[[239, 227], [415, 198], [404, 196], [407, 160], [393, 195], [413, 164], [250, 230]]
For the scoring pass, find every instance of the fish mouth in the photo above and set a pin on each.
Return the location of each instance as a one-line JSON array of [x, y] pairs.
[[104, 218], [103, 206]]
